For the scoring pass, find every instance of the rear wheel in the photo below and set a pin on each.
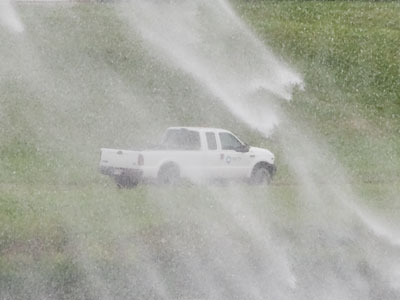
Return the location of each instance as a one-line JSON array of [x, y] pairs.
[[169, 174], [261, 175], [125, 181]]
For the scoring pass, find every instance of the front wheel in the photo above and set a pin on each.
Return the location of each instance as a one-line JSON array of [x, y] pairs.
[[261, 175]]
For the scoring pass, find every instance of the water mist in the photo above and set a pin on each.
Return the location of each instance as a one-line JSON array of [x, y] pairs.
[[213, 242], [9, 17], [208, 42]]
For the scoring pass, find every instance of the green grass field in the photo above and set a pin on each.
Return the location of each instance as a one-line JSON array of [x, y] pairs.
[[347, 52], [78, 80]]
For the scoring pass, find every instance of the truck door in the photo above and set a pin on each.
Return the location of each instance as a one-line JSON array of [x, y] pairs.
[[234, 156], [212, 157]]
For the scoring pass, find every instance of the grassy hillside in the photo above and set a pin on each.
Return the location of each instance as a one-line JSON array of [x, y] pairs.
[[349, 55], [85, 81], [76, 90], [78, 79]]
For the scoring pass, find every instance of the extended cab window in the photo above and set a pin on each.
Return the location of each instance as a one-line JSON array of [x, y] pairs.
[[229, 142], [211, 141], [181, 139]]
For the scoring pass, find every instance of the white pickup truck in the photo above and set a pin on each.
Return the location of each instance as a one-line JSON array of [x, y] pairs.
[[198, 154]]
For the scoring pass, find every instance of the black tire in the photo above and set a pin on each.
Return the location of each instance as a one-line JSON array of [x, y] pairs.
[[125, 181], [169, 174], [261, 175]]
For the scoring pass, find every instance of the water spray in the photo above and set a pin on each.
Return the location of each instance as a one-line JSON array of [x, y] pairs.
[[9, 17]]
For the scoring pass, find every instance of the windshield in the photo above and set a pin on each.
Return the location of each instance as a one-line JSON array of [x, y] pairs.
[[181, 139], [229, 142]]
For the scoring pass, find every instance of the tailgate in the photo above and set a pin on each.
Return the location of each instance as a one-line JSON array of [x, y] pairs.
[[116, 158]]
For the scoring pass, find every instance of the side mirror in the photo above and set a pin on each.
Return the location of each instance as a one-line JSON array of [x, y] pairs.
[[244, 148]]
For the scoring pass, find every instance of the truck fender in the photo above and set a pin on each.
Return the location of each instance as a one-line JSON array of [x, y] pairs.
[[167, 162]]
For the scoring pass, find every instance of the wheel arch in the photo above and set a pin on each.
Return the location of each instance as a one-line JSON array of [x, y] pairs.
[[168, 163]]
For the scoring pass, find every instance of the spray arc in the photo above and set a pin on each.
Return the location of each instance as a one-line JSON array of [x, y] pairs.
[[9, 17], [231, 63], [209, 42]]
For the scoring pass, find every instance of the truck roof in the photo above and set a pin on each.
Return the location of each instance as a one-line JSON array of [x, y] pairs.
[[202, 129]]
